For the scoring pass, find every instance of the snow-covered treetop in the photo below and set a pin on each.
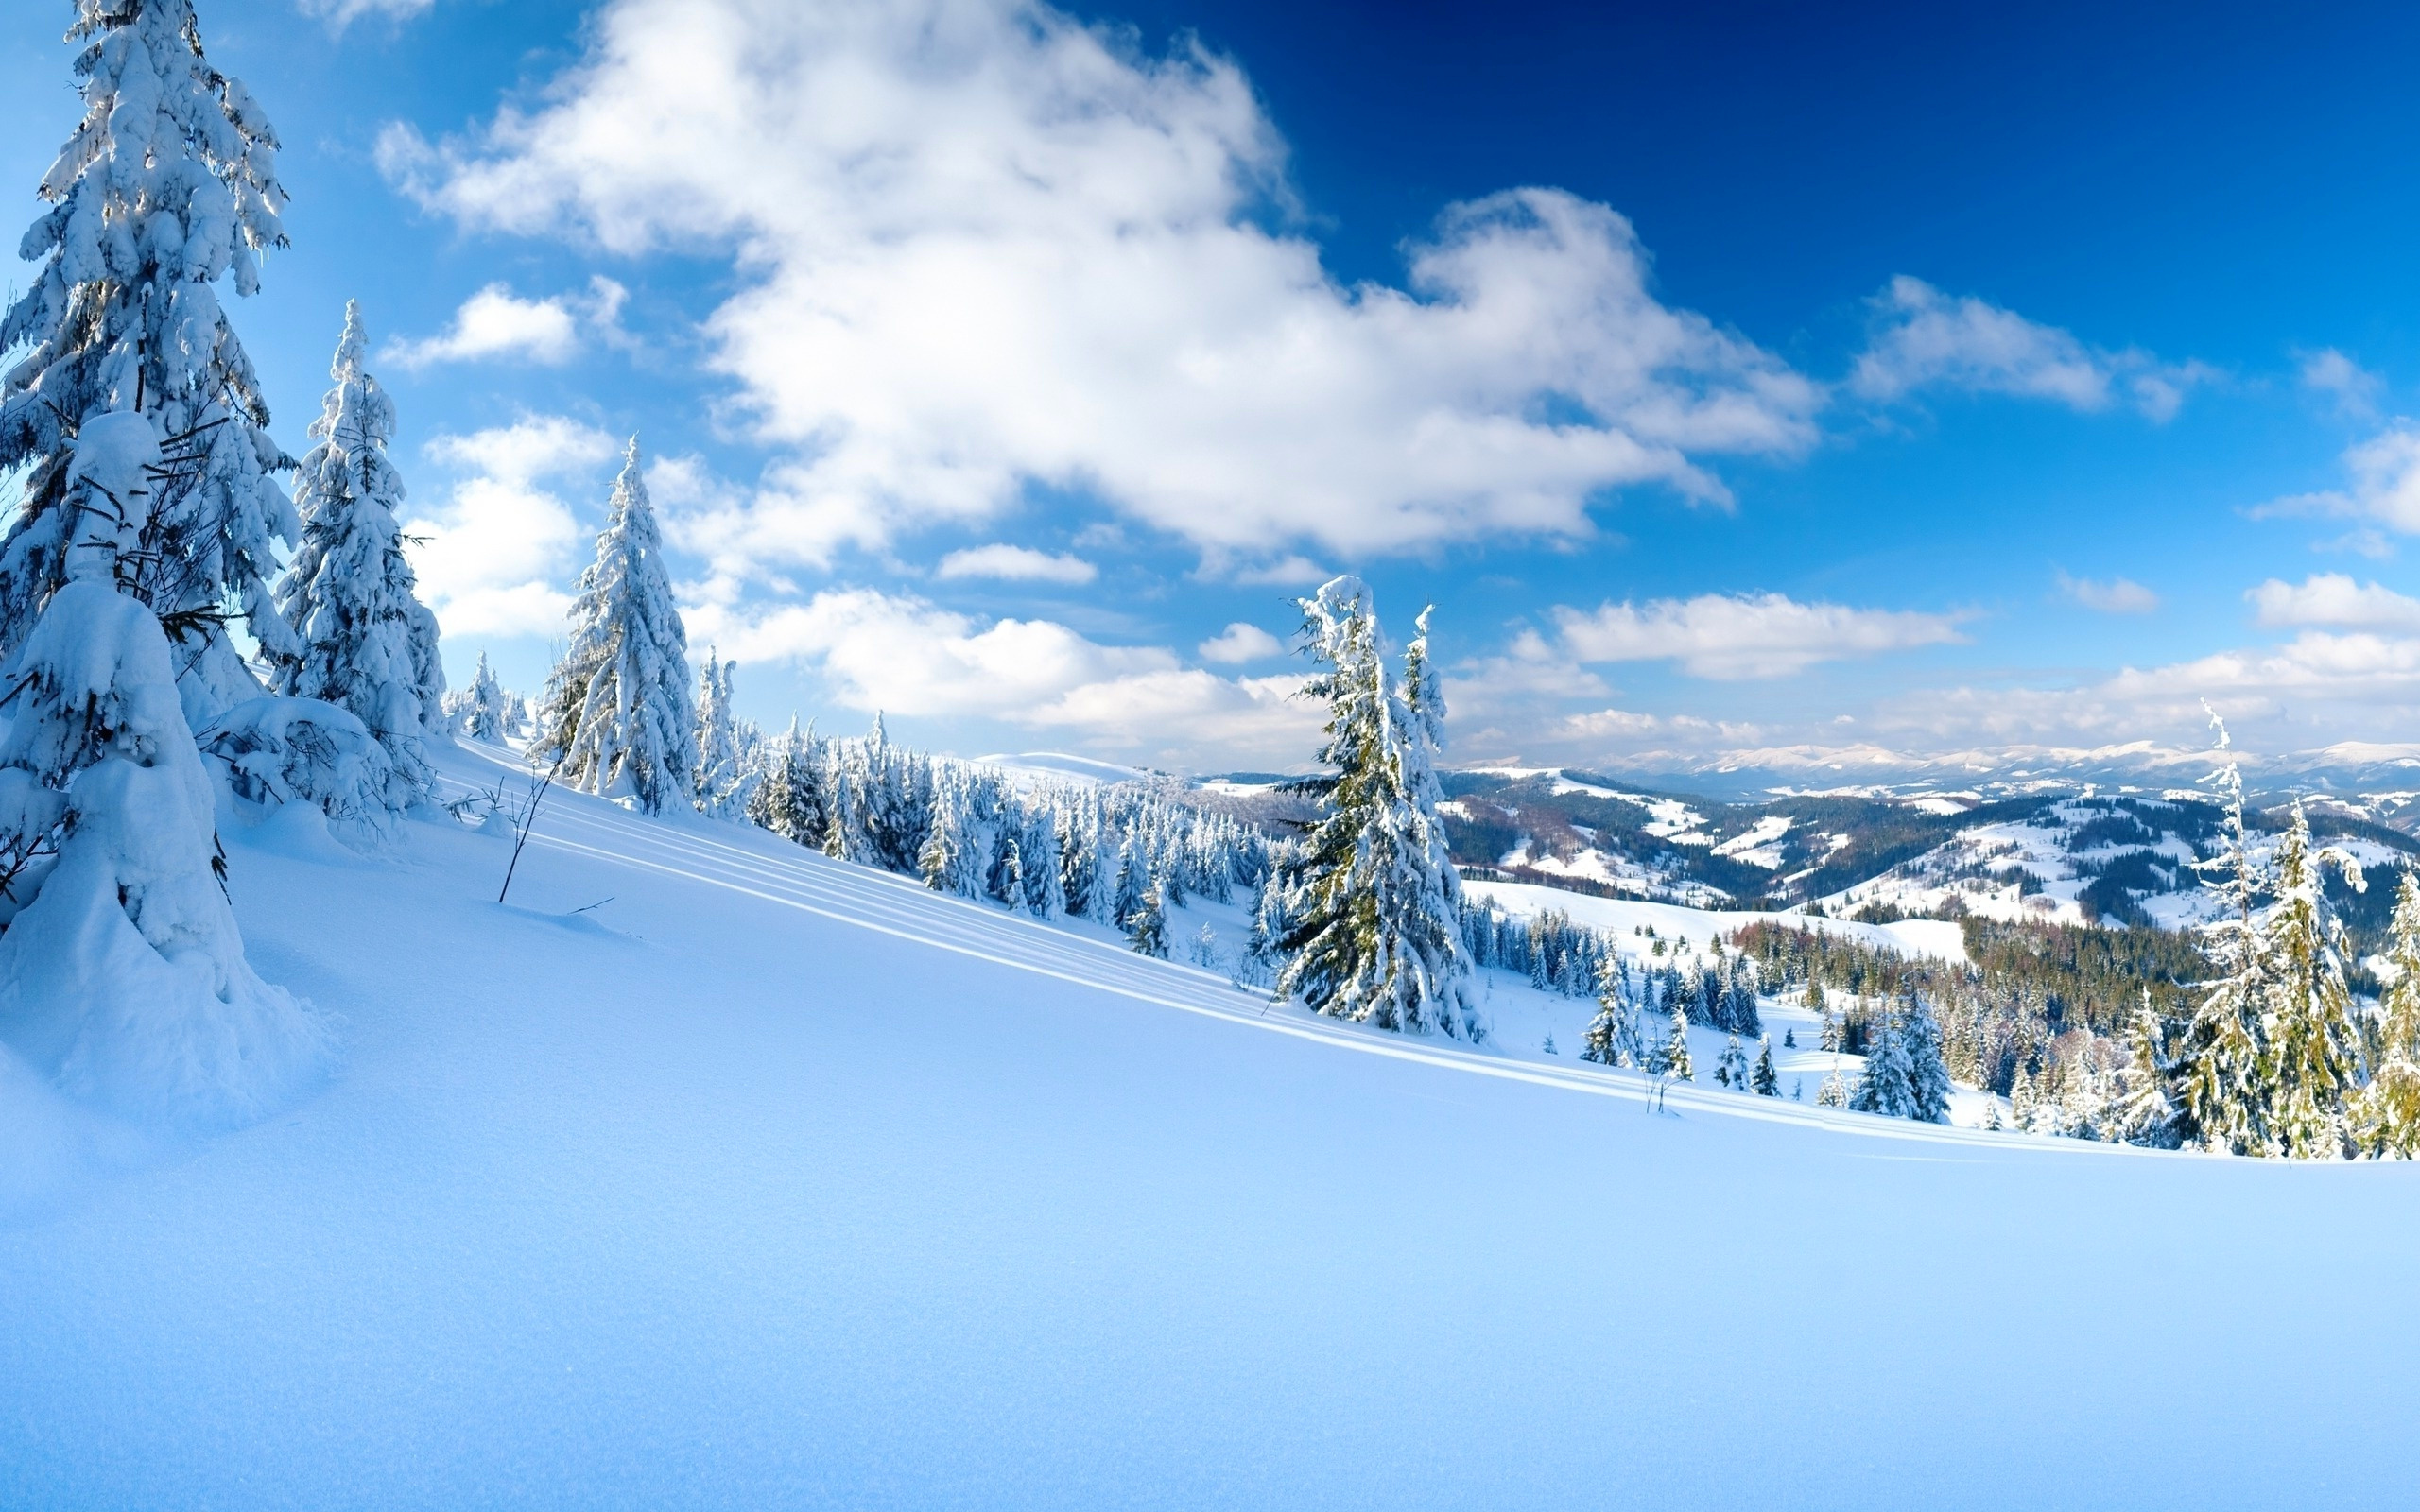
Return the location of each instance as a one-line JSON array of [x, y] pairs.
[[167, 185], [356, 423]]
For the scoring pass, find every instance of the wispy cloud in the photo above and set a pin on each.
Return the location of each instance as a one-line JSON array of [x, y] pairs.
[[2335, 601], [340, 14], [2117, 596], [1924, 338], [1746, 635], [2354, 389], [1015, 564], [492, 558], [495, 323], [1239, 642]]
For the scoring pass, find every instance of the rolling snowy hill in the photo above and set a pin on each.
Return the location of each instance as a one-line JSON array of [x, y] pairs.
[[711, 1173]]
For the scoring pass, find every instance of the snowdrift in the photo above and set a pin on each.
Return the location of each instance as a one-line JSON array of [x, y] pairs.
[[711, 1173]]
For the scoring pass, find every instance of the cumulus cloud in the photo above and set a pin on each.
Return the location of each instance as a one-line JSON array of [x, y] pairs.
[[2335, 601], [2354, 389], [495, 323], [2382, 486], [2118, 595], [1924, 338], [984, 246], [1239, 641], [1016, 564], [1746, 635], [877, 650], [490, 556]]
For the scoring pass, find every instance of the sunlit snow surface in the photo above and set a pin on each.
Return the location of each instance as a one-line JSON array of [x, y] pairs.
[[777, 1183]]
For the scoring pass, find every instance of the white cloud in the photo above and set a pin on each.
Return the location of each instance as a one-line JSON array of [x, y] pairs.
[[2119, 596], [490, 556], [1239, 641], [2383, 486], [340, 14], [495, 323], [908, 657], [985, 245], [1745, 635], [1924, 338], [1016, 564], [2355, 389], [2337, 601]]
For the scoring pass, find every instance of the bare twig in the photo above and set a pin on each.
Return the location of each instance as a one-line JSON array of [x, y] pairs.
[[524, 821]]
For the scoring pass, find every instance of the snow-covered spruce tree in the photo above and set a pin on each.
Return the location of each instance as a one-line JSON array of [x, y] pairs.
[[1887, 1085], [2315, 1046], [2144, 1113], [953, 850], [721, 784], [1378, 935], [1674, 1059], [1731, 1067], [122, 973], [1147, 930], [2221, 1069], [168, 187], [1928, 1074], [485, 713], [349, 594], [1763, 1080], [1615, 1029], [788, 795], [619, 719], [2386, 1119]]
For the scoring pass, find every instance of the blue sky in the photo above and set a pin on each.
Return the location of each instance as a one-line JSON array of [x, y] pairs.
[[1734, 380]]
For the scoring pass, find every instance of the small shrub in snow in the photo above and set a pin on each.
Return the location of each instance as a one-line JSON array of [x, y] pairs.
[[301, 750]]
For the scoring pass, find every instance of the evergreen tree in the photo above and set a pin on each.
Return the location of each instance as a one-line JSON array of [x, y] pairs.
[[1928, 1076], [1674, 1062], [122, 973], [1377, 934], [1834, 1093], [168, 187], [1146, 930], [1887, 1085], [618, 719], [722, 783], [487, 713], [2386, 1118], [2315, 1047], [1612, 1034], [1763, 1080], [2144, 1114], [349, 594], [2221, 1070], [1731, 1067]]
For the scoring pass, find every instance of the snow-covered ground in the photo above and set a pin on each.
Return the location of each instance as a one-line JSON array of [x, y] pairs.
[[1936, 938], [768, 1181]]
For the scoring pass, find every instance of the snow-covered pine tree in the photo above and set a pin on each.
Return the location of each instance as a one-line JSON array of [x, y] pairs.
[[2221, 1082], [1763, 1081], [618, 717], [1928, 1075], [952, 858], [1731, 1068], [168, 187], [2144, 1114], [487, 713], [1674, 1059], [2021, 1100], [1887, 1085], [1834, 1093], [1038, 863], [122, 973], [2386, 1119], [2314, 1063], [349, 594], [787, 796], [1604, 1042], [1147, 930], [721, 782], [1378, 932]]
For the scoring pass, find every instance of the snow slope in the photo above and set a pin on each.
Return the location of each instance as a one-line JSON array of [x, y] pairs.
[[1936, 938], [778, 1183]]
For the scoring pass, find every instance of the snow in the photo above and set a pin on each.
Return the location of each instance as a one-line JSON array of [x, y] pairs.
[[1056, 767], [1760, 844], [776, 1181], [1939, 938]]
